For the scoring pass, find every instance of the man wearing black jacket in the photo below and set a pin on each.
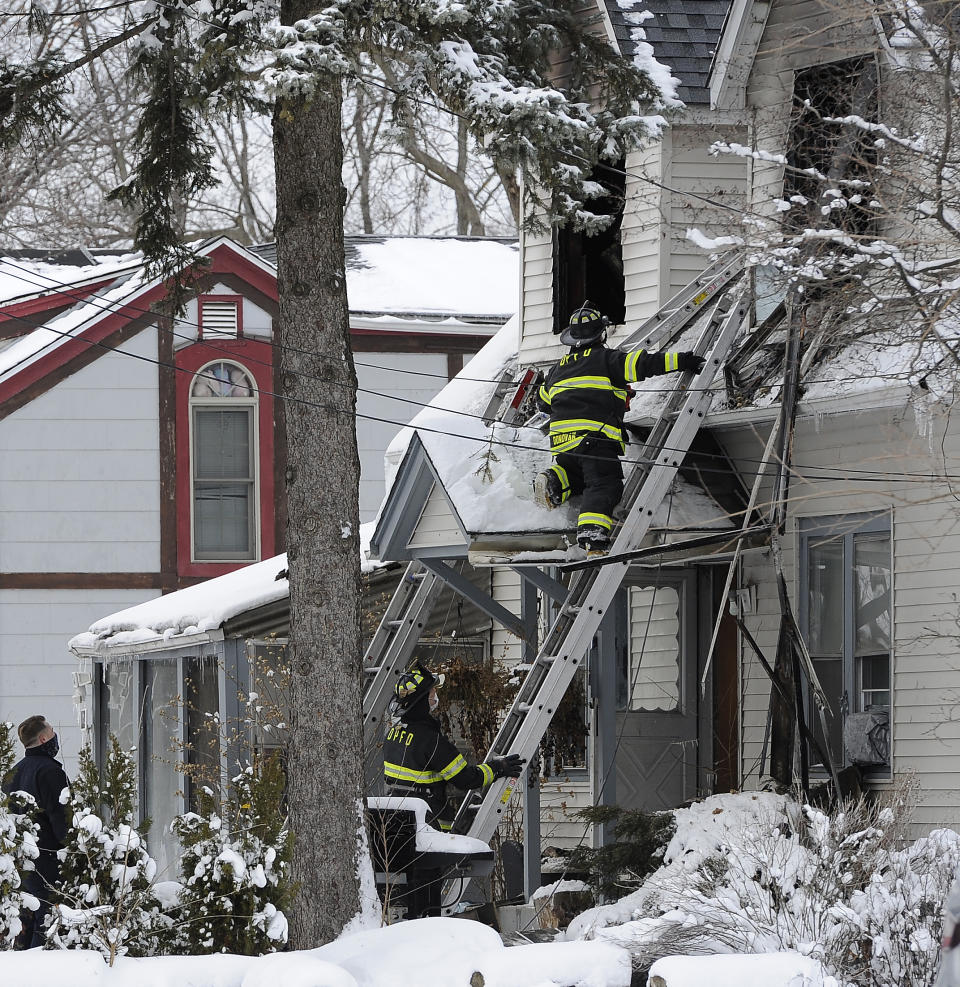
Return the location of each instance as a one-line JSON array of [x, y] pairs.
[[586, 396], [43, 777], [418, 760]]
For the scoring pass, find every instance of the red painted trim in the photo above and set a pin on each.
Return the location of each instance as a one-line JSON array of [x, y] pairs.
[[236, 299], [227, 261], [256, 358], [224, 260], [72, 348]]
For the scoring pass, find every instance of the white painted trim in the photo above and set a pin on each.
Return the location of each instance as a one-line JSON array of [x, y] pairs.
[[735, 53], [254, 404]]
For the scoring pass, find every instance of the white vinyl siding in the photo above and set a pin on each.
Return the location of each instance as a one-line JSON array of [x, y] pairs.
[[36, 669], [438, 526], [538, 344], [79, 486], [856, 447]]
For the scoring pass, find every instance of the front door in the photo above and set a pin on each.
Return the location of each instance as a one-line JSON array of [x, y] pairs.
[[657, 694]]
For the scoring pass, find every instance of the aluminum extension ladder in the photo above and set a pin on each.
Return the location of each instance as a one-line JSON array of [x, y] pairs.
[[389, 652], [592, 591]]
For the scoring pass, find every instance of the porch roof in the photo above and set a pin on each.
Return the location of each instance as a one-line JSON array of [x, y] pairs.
[[485, 473]]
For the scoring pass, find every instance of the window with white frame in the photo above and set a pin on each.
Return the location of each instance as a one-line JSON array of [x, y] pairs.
[[845, 608], [223, 447]]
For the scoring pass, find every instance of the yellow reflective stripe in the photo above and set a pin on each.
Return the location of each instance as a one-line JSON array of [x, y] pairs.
[[557, 446], [579, 425], [403, 773], [587, 383], [453, 768], [603, 520], [487, 772], [445, 826], [630, 367], [562, 477], [544, 393], [671, 361]]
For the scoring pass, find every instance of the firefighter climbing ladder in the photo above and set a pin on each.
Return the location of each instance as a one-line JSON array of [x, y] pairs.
[[392, 645], [592, 591]]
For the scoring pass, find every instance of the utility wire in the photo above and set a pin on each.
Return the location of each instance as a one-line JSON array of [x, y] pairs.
[[111, 307]]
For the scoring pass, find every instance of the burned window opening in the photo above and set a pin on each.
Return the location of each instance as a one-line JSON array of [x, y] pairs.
[[590, 268], [839, 152]]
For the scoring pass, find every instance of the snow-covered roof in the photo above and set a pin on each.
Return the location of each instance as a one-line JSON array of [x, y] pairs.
[[201, 609], [28, 277], [469, 278], [682, 34], [487, 471]]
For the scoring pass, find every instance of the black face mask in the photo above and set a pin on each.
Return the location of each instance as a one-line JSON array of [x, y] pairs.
[[51, 747]]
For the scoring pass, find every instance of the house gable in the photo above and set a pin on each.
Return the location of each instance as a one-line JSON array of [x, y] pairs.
[[417, 519]]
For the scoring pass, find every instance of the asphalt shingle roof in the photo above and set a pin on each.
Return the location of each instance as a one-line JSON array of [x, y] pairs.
[[683, 33]]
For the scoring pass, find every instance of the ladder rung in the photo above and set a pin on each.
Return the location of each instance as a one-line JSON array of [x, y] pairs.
[[524, 707], [372, 669], [394, 623]]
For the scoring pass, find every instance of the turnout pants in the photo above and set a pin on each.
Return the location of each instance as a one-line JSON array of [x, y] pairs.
[[592, 469]]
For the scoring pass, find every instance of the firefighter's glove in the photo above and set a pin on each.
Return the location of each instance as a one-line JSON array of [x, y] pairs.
[[506, 767], [690, 361]]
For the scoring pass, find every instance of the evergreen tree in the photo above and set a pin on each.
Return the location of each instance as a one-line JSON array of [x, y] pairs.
[[548, 95], [18, 849], [106, 873], [236, 866]]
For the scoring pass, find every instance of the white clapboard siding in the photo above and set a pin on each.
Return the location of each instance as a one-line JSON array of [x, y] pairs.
[[79, 487], [643, 244], [708, 193], [438, 524], [560, 798], [36, 669], [926, 585], [538, 344], [654, 647], [506, 590]]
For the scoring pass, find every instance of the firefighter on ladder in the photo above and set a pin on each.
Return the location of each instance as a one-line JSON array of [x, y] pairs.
[[419, 760], [586, 394]]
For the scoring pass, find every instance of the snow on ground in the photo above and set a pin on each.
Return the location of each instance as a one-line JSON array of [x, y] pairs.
[[433, 952], [425, 275], [768, 969], [703, 830], [205, 606]]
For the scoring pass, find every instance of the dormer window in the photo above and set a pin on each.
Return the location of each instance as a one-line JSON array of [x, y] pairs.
[[223, 447]]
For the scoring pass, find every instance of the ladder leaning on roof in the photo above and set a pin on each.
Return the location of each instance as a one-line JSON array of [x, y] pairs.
[[592, 591], [389, 652]]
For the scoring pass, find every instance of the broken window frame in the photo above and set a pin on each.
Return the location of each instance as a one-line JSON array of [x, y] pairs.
[[590, 268]]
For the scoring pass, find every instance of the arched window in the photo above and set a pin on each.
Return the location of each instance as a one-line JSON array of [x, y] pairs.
[[223, 458]]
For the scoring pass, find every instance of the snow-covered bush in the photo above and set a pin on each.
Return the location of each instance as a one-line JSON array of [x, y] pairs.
[[761, 873], [236, 866], [107, 897], [18, 850]]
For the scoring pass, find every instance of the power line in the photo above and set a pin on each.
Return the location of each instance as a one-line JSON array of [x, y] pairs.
[[110, 307], [814, 473]]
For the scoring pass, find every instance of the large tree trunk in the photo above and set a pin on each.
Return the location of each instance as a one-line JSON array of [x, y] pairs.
[[322, 484]]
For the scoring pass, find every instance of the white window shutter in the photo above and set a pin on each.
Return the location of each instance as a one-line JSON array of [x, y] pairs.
[[220, 320]]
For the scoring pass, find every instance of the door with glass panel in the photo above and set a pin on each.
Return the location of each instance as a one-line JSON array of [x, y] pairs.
[[656, 754]]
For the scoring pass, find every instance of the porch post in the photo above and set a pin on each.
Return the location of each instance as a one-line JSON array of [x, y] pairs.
[[603, 686], [531, 776]]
